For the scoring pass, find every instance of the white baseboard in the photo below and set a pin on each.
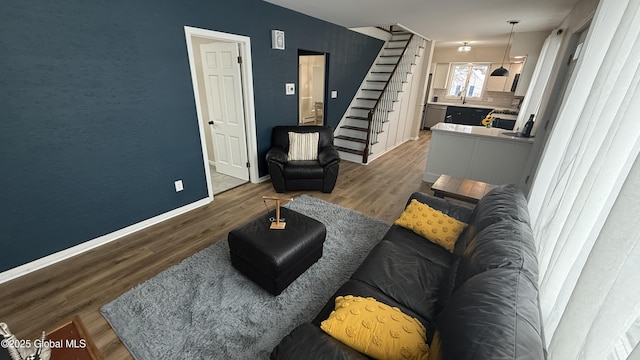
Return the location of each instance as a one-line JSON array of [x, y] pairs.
[[212, 163], [264, 178], [91, 244]]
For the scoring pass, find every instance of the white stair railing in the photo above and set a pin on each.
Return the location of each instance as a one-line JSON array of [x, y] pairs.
[[379, 114]]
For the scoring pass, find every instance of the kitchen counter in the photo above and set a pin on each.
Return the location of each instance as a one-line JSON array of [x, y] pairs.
[[476, 153], [479, 131]]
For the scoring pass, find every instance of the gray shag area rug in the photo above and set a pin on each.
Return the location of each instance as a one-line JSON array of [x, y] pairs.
[[203, 308]]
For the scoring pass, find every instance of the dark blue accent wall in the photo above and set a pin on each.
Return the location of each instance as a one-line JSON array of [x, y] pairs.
[[97, 114]]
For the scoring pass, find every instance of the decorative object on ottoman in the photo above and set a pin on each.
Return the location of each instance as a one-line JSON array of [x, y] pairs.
[[277, 224], [289, 173], [24, 349], [273, 259]]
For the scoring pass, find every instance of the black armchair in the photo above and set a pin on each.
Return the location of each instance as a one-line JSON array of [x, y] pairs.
[[320, 174]]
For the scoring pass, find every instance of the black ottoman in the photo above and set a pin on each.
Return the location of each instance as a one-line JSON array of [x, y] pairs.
[[273, 259]]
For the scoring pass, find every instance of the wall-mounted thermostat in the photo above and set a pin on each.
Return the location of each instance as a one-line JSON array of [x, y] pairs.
[[277, 39]]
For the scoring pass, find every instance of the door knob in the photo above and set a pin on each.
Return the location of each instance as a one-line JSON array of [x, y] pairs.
[[210, 122]]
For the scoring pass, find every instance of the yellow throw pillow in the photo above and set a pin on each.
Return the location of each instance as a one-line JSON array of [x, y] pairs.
[[431, 224], [303, 146], [376, 329]]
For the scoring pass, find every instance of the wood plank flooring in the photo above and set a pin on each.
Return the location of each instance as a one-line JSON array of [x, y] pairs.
[[81, 285]]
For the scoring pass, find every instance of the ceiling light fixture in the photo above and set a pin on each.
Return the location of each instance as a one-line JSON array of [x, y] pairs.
[[501, 71], [465, 47]]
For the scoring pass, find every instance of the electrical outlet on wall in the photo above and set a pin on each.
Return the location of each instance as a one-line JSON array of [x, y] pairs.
[[178, 185], [290, 89], [334, 94]]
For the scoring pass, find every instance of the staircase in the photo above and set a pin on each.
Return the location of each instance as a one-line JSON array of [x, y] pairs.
[[375, 100]]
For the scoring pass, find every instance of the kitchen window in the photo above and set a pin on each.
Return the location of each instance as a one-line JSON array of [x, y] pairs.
[[467, 80]]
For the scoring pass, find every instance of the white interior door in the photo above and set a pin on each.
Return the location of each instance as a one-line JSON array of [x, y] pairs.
[[226, 113]]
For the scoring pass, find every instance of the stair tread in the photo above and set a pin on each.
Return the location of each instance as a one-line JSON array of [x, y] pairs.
[[344, 149], [382, 72], [356, 128], [365, 98], [354, 139], [389, 55], [382, 81], [372, 89], [361, 107], [357, 117]]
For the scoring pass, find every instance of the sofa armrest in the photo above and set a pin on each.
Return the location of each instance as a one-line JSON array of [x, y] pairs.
[[328, 155], [460, 212], [277, 155], [309, 342]]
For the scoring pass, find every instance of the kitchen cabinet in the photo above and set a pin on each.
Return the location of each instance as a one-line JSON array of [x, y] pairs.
[[466, 115], [440, 75], [435, 114], [503, 83], [497, 83], [477, 153], [514, 69]]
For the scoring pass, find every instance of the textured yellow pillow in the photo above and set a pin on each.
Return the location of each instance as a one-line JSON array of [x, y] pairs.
[[431, 224], [376, 329]]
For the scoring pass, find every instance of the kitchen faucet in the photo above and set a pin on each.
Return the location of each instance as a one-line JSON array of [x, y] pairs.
[[463, 92]]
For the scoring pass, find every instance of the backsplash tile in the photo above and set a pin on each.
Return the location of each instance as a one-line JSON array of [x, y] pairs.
[[502, 100]]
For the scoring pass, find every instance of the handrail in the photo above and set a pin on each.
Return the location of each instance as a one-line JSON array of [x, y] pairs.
[[373, 110]]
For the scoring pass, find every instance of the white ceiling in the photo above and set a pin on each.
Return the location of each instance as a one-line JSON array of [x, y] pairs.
[[448, 22]]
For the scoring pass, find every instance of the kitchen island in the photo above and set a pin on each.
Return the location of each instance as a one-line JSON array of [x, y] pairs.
[[478, 153]]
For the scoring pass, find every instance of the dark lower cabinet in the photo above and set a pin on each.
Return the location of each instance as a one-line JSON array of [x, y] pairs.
[[466, 115]]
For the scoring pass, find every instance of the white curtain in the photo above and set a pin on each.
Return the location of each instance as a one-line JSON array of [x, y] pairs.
[[584, 199], [540, 79]]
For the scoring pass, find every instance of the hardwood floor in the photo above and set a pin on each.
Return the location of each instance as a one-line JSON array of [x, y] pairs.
[[81, 285]]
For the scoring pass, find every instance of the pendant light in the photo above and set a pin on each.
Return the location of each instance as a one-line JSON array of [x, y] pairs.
[[501, 71], [465, 47]]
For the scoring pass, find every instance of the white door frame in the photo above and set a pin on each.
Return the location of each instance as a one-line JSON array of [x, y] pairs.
[[244, 43]]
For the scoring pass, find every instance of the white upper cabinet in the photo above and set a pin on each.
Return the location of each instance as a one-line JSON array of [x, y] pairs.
[[503, 83], [440, 75]]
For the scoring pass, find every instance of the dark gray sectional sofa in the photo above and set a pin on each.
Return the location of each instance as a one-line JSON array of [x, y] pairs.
[[482, 299]]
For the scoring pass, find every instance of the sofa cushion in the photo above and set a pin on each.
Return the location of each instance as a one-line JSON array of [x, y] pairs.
[[408, 271], [303, 169], [505, 202], [376, 329], [432, 224], [504, 244], [358, 288], [309, 342], [493, 316]]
